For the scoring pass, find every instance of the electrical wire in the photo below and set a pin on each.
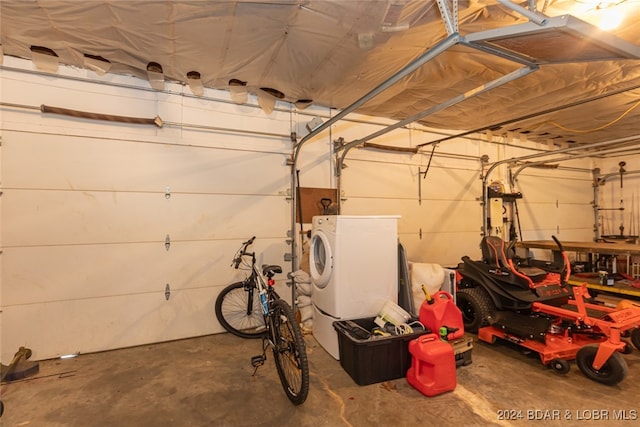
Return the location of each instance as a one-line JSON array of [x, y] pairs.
[[600, 127], [417, 323], [408, 328], [403, 329]]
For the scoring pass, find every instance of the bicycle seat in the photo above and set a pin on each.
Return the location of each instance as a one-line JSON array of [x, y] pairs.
[[270, 270]]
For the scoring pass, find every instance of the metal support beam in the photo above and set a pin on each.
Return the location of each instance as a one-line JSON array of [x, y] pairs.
[[532, 15], [533, 115], [449, 18], [450, 41], [462, 97], [612, 150]]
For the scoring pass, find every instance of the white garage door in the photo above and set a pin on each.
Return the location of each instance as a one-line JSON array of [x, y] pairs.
[[87, 209]]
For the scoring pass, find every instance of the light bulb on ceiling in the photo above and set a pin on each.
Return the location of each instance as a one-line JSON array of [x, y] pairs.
[[607, 3], [605, 14], [599, 4], [610, 19]]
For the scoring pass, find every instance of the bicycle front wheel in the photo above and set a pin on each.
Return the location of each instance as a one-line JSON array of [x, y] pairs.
[[238, 311], [290, 352]]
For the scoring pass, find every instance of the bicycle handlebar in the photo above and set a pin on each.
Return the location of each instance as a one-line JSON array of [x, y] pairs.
[[242, 252]]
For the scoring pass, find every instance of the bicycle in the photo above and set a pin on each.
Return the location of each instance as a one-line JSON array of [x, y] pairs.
[[253, 309]]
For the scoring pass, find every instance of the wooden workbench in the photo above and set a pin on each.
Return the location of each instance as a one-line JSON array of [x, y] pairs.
[[621, 288], [617, 249], [604, 248]]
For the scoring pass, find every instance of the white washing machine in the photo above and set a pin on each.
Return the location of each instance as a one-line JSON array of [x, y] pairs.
[[353, 264]]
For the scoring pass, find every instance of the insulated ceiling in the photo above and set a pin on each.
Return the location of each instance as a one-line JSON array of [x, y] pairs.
[[333, 52]]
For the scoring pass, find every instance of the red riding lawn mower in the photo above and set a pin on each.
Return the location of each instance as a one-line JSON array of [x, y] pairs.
[[529, 302]]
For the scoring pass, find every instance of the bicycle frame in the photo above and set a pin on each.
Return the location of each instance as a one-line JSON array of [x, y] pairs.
[[263, 285], [239, 310], [257, 281]]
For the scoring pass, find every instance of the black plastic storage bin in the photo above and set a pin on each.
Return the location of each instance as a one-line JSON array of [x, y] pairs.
[[374, 359]]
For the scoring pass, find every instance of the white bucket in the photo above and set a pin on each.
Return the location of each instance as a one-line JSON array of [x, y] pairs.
[[392, 313]]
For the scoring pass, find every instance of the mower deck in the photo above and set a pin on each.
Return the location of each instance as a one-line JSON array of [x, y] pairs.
[[555, 346]]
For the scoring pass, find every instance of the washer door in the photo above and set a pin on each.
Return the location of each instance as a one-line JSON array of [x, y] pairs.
[[320, 259]]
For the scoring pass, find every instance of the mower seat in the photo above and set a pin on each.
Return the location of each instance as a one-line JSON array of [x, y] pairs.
[[534, 273], [493, 253]]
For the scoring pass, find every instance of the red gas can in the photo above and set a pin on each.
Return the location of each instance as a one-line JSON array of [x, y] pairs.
[[433, 365], [440, 311]]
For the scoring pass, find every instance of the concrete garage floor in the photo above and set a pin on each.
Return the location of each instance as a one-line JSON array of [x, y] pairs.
[[208, 381]]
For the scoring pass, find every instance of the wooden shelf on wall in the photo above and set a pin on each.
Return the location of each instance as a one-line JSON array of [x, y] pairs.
[[310, 202]]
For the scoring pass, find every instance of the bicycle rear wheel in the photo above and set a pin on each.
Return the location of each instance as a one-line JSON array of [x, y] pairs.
[[290, 353], [237, 314]]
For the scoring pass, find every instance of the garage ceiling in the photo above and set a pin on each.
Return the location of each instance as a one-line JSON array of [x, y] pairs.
[[333, 52]]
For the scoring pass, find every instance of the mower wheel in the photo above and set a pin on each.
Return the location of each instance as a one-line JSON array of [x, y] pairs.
[[560, 366], [635, 338], [628, 349], [476, 307], [611, 373]]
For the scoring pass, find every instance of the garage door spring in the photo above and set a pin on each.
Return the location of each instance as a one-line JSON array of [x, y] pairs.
[[157, 121]]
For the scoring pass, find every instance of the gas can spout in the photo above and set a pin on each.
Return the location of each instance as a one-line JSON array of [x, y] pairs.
[[427, 296]]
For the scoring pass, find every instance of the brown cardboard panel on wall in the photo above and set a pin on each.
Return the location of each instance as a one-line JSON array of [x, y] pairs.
[[316, 201]]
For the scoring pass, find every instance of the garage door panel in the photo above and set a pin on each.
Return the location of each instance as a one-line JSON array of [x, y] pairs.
[[404, 181], [72, 272], [431, 216], [445, 248], [194, 217], [41, 217], [575, 216], [69, 163], [82, 326], [549, 189], [234, 116], [548, 216]]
